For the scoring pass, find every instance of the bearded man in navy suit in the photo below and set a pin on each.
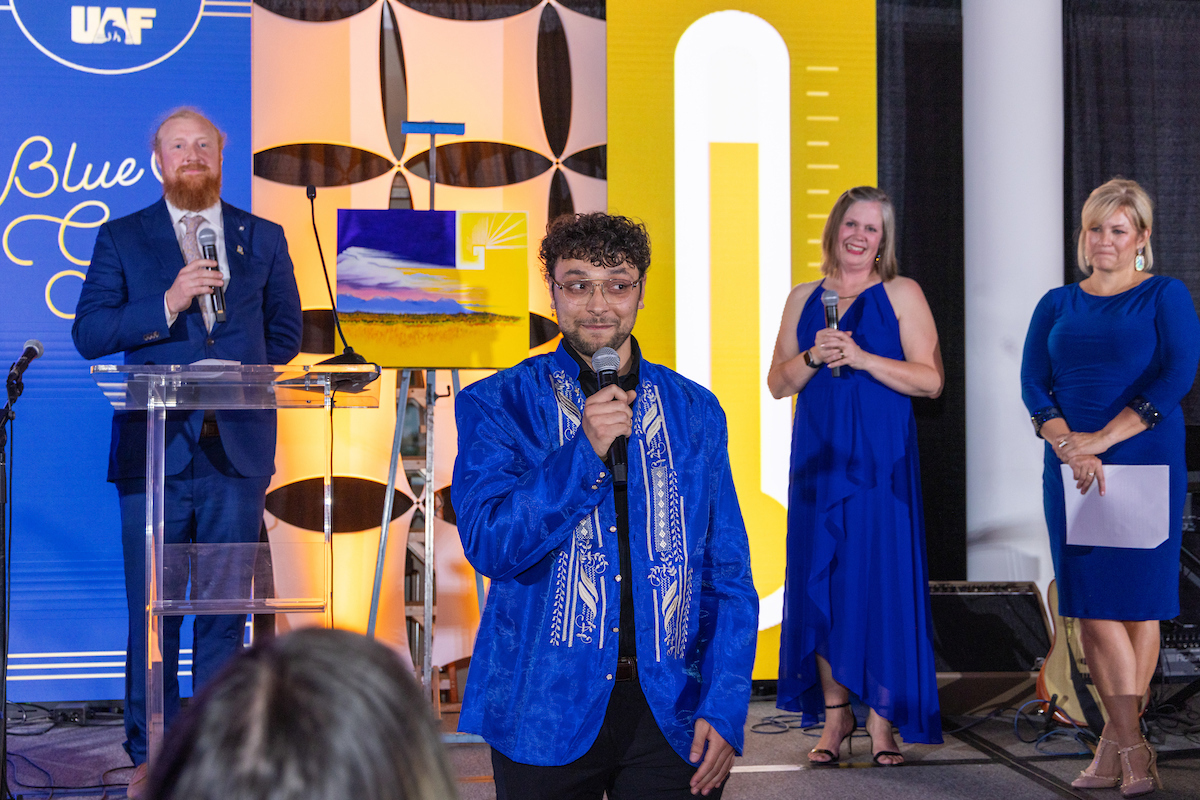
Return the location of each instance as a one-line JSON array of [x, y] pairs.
[[149, 293]]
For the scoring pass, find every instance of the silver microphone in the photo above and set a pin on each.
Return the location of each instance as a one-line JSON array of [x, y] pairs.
[[207, 239], [830, 298]]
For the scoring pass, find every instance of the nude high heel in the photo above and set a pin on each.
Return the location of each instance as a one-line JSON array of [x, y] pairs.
[[1135, 787], [1090, 778]]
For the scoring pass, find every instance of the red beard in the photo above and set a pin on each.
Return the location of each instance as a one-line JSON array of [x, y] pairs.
[[193, 191]]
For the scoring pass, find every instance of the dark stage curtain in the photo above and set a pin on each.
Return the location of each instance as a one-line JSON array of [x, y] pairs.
[[1132, 96], [921, 168]]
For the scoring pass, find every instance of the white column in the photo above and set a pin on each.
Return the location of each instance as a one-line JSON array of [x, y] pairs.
[[1013, 176]]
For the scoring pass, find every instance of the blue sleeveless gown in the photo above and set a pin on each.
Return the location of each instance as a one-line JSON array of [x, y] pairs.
[[856, 590]]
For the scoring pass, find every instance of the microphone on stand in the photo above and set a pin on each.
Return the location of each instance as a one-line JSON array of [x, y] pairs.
[[33, 349], [830, 298], [348, 356], [207, 239], [605, 363]]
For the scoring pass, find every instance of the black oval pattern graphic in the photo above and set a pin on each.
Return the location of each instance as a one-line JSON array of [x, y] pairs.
[[541, 330], [593, 8], [316, 164], [592, 162], [315, 10], [445, 505], [554, 79], [317, 335], [401, 196], [393, 80], [560, 196], [357, 504], [480, 164], [471, 10]]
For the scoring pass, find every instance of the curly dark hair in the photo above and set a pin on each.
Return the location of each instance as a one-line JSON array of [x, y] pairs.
[[605, 240]]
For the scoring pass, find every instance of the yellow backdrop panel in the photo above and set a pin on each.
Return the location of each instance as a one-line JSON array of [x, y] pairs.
[[830, 146]]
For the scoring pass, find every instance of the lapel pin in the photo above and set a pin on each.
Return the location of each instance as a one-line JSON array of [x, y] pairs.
[[239, 249]]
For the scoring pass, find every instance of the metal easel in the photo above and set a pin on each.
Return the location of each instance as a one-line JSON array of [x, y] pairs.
[[431, 397]]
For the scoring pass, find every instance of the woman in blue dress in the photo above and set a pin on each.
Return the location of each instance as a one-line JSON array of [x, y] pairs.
[[1107, 361], [856, 594]]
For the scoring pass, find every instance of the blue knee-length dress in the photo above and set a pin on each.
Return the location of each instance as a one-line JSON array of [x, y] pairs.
[[1086, 358], [856, 589]]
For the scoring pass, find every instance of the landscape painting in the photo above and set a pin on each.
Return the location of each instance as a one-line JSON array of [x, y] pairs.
[[426, 289]]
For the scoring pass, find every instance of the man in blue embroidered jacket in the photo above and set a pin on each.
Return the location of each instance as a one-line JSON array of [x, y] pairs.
[[615, 650]]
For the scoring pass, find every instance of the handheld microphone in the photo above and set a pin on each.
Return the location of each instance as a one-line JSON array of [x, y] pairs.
[[605, 363], [830, 298], [207, 239]]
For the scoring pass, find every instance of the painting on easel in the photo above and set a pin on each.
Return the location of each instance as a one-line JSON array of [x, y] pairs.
[[446, 289]]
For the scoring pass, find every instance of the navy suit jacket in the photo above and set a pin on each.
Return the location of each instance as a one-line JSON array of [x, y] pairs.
[[135, 261]]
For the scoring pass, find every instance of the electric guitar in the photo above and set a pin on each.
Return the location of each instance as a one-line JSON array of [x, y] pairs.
[[1065, 673]]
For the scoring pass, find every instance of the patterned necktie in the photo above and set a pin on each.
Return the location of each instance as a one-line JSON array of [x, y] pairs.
[[191, 252], [191, 247]]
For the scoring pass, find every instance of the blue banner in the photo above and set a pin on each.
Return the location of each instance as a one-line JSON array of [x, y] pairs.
[[84, 87]]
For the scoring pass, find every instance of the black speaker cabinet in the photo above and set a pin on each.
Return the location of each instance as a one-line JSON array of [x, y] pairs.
[[989, 640]]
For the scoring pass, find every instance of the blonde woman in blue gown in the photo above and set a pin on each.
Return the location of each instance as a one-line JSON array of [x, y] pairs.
[[856, 596]]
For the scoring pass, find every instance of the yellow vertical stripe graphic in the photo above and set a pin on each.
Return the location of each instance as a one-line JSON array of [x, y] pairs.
[[733, 242], [736, 351], [702, 79]]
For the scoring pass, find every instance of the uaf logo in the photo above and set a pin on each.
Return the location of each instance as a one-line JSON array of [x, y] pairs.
[[90, 26], [109, 40]]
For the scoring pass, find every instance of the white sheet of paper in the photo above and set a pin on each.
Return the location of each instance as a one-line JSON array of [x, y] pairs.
[[1134, 512]]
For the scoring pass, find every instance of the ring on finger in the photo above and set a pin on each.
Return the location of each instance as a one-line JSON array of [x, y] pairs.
[[1063, 443]]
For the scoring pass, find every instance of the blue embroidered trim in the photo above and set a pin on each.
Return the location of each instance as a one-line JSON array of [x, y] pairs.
[[579, 602], [1041, 417], [1146, 410], [670, 573]]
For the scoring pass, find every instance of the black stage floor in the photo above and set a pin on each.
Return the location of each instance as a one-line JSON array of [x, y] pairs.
[[983, 762]]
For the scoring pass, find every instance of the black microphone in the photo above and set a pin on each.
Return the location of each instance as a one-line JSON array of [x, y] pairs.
[[605, 363], [33, 349], [348, 356], [830, 298], [207, 238]]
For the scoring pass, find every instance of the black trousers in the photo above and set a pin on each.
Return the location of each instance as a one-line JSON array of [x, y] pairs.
[[629, 760]]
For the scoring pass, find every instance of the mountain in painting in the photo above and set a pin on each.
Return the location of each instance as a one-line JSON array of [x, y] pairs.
[[390, 305]]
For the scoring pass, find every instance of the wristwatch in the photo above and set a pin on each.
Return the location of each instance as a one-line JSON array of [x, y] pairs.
[[808, 362]]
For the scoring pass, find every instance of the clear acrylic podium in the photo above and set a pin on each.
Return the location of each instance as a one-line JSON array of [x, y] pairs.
[[224, 578]]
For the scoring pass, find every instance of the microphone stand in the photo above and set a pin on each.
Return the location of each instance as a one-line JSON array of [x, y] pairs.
[[345, 383], [348, 355], [15, 387], [7, 417]]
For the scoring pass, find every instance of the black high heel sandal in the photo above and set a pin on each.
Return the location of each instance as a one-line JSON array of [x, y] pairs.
[[834, 759], [876, 755]]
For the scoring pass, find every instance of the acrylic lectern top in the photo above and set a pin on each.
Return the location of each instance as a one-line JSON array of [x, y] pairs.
[[133, 387]]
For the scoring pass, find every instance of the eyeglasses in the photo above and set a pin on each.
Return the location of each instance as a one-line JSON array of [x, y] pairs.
[[614, 290]]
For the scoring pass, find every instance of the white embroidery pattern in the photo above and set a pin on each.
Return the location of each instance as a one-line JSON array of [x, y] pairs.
[[569, 402], [670, 573], [579, 599]]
